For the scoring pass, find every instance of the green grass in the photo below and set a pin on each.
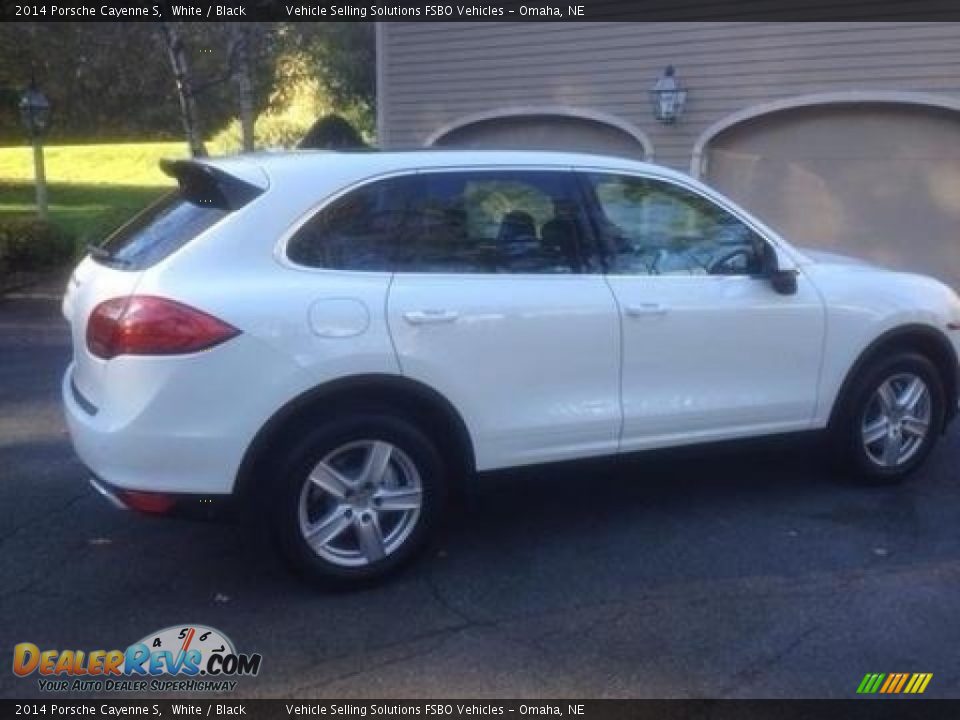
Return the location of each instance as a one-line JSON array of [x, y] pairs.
[[115, 164], [88, 212], [92, 188]]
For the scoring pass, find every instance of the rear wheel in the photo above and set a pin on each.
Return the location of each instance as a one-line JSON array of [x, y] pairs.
[[358, 498], [891, 418]]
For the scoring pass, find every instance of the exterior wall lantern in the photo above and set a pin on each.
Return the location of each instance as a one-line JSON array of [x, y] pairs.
[[667, 97], [35, 113]]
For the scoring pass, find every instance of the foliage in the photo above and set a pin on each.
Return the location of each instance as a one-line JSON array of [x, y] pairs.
[[332, 132], [289, 114], [27, 243], [342, 57], [292, 109], [104, 80], [113, 80]]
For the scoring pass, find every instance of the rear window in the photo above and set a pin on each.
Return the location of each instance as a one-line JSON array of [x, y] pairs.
[[161, 229]]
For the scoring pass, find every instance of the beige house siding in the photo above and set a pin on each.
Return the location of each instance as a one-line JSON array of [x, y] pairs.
[[432, 75]]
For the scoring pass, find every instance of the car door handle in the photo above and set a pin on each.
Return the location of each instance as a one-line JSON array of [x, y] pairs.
[[646, 310], [426, 317]]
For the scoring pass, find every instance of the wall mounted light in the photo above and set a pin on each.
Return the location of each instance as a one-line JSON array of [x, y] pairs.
[[667, 97]]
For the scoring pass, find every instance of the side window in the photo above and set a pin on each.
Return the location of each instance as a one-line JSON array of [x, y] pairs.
[[495, 222], [651, 227], [363, 230]]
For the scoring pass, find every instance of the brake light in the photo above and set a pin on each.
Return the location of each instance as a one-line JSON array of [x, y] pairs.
[[148, 325]]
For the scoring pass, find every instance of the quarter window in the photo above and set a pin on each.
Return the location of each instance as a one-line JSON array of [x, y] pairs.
[[363, 230], [495, 222], [650, 227]]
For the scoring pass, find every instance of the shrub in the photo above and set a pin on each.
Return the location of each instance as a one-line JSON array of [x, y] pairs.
[[332, 132], [27, 243]]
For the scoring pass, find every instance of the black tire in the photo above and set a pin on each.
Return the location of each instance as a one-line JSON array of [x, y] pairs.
[[318, 442], [847, 425]]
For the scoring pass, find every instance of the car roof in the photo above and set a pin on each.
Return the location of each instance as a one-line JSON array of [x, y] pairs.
[[349, 166]]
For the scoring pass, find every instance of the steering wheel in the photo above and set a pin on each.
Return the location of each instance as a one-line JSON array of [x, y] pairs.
[[715, 267]]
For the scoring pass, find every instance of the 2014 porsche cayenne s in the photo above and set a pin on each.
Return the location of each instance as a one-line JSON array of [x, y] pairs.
[[336, 339]]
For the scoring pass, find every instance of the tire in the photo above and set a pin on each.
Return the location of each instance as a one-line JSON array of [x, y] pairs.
[[371, 481], [878, 433]]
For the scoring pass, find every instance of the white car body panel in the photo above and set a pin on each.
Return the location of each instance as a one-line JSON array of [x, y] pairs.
[[709, 357], [534, 364], [530, 361]]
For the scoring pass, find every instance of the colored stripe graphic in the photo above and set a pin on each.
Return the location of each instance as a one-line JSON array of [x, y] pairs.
[[894, 683], [903, 681]]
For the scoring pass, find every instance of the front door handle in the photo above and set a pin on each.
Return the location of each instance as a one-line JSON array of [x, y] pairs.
[[427, 317], [646, 310]]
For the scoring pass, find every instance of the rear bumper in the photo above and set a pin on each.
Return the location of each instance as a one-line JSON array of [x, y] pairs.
[[186, 505], [151, 450]]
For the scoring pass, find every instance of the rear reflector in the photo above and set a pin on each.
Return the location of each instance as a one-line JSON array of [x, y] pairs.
[[145, 502], [149, 325]]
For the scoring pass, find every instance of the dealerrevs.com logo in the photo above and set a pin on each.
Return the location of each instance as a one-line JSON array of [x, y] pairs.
[[181, 658]]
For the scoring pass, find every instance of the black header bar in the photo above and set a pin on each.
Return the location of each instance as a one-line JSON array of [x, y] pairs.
[[476, 10]]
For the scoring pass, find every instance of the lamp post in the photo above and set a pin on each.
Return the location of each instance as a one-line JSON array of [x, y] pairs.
[[667, 97], [35, 113]]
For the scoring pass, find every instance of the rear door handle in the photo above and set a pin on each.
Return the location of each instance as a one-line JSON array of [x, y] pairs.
[[427, 317], [646, 310]]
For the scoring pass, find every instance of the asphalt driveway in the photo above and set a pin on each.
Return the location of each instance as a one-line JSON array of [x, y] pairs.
[[731, 574]]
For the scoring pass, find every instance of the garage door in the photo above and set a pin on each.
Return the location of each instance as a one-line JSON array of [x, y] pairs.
[[879, 181], [544, 132]]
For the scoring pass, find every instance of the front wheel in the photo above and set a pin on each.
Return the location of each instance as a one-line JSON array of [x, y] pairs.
[[891, 418], [358, 498]]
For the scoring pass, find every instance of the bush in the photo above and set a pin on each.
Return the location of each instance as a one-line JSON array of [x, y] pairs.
[[332, 132], [28, 244]]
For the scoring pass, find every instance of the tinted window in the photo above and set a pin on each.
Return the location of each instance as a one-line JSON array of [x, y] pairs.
[[158, 231], [650, 227], [363, 230], [494, 222]]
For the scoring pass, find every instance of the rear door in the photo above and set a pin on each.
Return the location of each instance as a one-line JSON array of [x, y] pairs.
[[490, 305]]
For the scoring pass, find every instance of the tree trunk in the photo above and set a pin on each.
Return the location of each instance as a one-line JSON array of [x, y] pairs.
[[240, 40], [181, 73]]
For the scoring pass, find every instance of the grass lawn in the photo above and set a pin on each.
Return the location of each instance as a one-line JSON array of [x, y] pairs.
[[92, 188]]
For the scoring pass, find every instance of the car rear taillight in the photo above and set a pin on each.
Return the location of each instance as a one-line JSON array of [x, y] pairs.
[[148, 325]]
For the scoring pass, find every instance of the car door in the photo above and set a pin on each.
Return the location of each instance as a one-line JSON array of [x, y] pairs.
[[490, 307], [710, 349]]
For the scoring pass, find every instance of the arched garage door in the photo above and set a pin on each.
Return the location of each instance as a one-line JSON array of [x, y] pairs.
[[544, 132], [881, 181]]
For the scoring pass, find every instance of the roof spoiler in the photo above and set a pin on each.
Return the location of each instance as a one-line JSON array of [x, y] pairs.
[[209, 186]]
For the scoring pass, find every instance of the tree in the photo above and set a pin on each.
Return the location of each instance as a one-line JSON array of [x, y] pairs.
[[239, 53], [176, 51], [343, 58]]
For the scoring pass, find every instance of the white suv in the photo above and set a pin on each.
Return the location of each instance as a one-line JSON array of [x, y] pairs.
[[338, 339]]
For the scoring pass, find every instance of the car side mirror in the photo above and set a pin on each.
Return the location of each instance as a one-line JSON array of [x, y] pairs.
[[783, 280]]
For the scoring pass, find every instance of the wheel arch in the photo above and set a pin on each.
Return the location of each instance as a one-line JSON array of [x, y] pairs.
[[414, 400], [925, 339]]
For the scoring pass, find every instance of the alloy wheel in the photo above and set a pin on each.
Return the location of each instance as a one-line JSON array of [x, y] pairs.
[[896, 420], [360, 503]]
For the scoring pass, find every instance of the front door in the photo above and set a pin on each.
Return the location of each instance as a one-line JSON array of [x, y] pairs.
[[710, 350]]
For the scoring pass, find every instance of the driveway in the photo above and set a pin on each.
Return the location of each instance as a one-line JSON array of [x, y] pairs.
[[730, 574]]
